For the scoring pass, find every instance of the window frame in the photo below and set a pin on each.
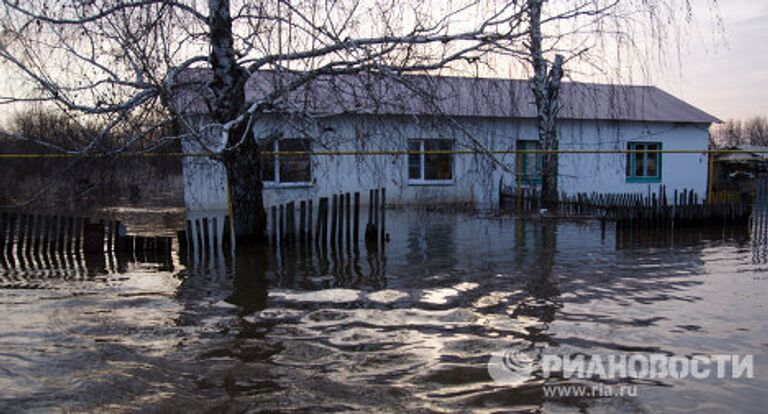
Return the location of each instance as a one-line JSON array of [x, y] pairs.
[[422, 164], [524, 158], [277, 183], [630, 161]]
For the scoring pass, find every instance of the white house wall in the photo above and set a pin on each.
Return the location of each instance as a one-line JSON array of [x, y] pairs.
[[477, 177], [606, 173], [204, 178]]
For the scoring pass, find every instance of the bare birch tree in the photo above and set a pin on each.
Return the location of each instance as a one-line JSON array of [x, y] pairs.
[[545, 85], [578, 36]]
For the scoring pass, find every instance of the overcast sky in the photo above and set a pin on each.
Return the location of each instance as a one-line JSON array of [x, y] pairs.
[[727, 77]]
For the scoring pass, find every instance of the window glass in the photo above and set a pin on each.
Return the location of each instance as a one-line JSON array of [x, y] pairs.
[[651, 166], [651, 161], [639, 164], [268, 163], [294, 168], [430, 167], [286, 168], [414, 160], [645, 166], [438, 166]]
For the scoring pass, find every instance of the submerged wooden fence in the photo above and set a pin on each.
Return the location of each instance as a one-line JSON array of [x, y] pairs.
[[205, 235], [50, 241], [336, 222], [681, 208]]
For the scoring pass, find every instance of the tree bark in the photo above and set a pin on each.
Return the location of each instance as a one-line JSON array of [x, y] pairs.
[[546, 87], [241, 152], [245, 190], [228, 76]]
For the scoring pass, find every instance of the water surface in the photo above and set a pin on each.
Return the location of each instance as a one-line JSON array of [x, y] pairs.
[[407, 328]]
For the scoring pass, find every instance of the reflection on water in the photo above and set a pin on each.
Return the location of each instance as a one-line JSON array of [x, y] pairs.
[[408, 327]]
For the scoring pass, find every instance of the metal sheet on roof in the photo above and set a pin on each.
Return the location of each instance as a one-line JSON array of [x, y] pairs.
[[458, 97]]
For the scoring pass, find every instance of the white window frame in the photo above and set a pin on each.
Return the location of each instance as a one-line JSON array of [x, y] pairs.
[[422, 166], [279, 184]]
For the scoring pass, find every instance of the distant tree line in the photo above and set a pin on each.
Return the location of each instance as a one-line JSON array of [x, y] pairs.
[[84, 182], [735, 132], [43, 129]]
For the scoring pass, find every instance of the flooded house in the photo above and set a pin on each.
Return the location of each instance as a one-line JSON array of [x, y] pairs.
[[366, 131]]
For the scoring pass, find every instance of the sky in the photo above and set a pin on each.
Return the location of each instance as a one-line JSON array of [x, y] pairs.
[[726, 75], [723, 72]]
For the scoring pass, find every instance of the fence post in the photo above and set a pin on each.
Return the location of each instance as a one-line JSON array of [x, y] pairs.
[[334, 217], [340, 234], [302, 220], [11, 231], [371, 229], [282, 224], [348, 219], [273, 210], [20, 238], [370, 207], [206, 236], [356, 231], [383, 215], [309, 220], [319, 225], [324, 236], [290, 221]]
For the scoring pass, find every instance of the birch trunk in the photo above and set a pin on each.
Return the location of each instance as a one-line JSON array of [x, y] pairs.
[[245, 189], [546, 88], [241, 153]]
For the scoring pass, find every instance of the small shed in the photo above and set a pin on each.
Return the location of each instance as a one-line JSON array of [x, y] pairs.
[[736, 172]]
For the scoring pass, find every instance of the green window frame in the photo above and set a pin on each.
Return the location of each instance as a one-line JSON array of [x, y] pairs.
[[530, 165], [643, 166]]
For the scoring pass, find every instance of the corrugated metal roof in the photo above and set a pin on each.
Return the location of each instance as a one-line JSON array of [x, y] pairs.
[[466, 97]]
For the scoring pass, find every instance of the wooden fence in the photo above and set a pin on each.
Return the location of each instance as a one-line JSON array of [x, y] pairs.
[[328, 222], [650, 209], [50, 241], [336, 222], [205, 236]]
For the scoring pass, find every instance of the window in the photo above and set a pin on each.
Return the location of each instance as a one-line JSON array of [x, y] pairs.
[[430, 168], [287, 169], [643, 167], [529, 165]]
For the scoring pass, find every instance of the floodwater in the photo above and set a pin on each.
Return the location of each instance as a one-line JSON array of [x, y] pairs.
[[407, 328]]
